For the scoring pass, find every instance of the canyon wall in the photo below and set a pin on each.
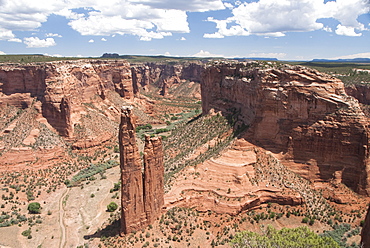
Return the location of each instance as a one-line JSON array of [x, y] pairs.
[[164, 75], [142, 193], [359, 91], [298, 113], [63, 87], [365, 233]]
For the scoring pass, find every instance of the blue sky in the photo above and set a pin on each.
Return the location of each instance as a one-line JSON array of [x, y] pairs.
[[284, 29]]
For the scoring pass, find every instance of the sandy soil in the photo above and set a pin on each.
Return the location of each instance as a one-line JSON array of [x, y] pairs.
[[74, 214]]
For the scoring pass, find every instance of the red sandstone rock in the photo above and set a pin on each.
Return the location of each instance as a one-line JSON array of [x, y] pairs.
[[63, 87], [142, 193], [298, 112], [133, 213], [159, 74], [153, 177], [365, 234]]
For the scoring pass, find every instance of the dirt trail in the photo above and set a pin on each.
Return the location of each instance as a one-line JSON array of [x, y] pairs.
[[61, 219]]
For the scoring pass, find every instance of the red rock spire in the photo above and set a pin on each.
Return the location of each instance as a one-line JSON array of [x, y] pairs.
[[142, 193]]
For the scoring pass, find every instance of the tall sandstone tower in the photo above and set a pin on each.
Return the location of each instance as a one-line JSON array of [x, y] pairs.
[[142, 192]]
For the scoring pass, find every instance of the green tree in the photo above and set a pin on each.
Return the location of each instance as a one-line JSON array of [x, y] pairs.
[[112, 207], [284, 238], [34, 208]]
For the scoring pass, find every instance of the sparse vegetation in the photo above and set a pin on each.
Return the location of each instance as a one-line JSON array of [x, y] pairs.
[[294, 237], [34, 208], [112, 207]]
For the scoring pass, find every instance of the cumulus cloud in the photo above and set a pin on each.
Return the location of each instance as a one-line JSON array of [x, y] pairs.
[[2, 53], [52, 35], [347, 31], [133, 17], [103, 39], [189, 5], [35, 42], [203, 53], [6, 34], [15, 40], [91, 41], [277, 17], [183, 38]]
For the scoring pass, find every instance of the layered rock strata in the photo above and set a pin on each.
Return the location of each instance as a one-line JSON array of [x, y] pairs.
[[63, 87], [299, 113], [164, 75], [142, 193]]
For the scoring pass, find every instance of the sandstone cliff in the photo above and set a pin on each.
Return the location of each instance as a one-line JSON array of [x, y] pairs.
[[301, 114], [165, 76], [63, 88], [142, 193], [359, 91], [365, 234]]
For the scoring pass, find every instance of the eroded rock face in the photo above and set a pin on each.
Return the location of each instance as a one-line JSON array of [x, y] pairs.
[[142, 193], [298, 112], [160, 74], [153, 177], [360, 91], [132, 200], [365, 233], [63, 87]]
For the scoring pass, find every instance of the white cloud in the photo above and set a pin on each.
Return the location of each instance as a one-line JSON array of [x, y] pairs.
[[354, 56], [327, 29], [103, 39], [267, 55], [6, 34], [91, 41], [2, 53], [347, 31], [15, 40], [202, 53], [132, 17], [183, 38], [52, 35], [277, 17], [35, 42], [167, 54], [189, 5]]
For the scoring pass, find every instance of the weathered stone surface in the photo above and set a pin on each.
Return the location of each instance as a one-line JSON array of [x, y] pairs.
[[153, 177], [63, 87], [133, 213], [160, 74], [359, 91], [365, 233], [142, 193], [297, 112]]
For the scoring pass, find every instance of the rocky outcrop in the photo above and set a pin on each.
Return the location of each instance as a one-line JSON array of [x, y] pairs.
[[164, 74], [359, 91], [133, 213], [365, 233], [299, 113], [153, 177], [63, 87], [142, 193]]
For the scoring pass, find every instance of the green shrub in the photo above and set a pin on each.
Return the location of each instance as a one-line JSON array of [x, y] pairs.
[[112, 207], [34, 208]]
